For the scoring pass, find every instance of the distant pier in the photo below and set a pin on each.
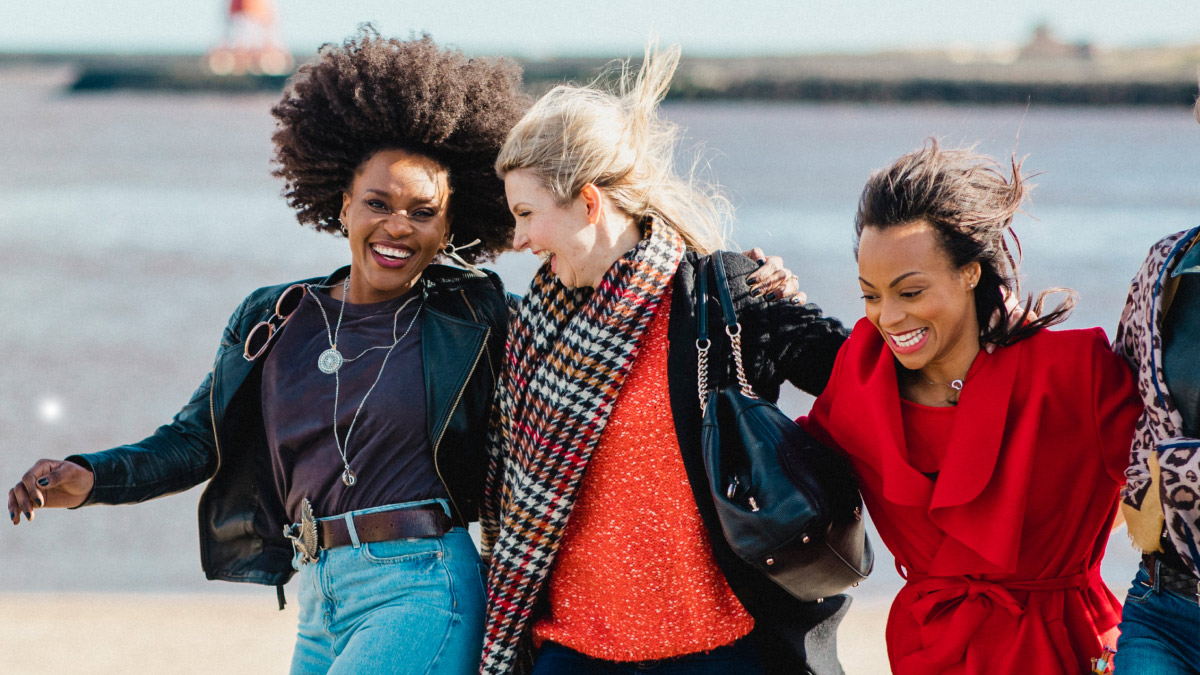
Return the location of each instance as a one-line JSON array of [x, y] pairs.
[[1068, 76], [175, 80], [1158, 76]]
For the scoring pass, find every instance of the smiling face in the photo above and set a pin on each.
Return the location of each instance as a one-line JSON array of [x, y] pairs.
[[918, 300], [562, 234], [397, 218]]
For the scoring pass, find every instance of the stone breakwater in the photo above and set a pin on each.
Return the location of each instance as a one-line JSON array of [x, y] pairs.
[[1165, 76], [1150, 76]]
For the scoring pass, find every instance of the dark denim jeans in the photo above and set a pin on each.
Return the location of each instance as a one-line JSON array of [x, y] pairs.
[[738, 658], [1160, 631]]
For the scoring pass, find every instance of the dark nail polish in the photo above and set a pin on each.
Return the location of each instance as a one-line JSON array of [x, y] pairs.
[[43, 482], [40, 502], [762, 261], [751, 282], [771, 295], [27, 515], [11, 515]]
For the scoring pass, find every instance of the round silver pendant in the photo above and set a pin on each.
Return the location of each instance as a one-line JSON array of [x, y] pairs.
[[349, 478], [329, 361]]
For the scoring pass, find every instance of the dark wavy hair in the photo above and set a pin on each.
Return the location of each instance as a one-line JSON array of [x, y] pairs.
[[372, 93], [970, 203], [1196, 110]]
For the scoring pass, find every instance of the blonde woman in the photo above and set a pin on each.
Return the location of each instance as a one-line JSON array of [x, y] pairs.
[[606, 553]]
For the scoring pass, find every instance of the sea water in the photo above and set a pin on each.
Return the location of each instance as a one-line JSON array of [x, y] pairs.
[[131, 225]]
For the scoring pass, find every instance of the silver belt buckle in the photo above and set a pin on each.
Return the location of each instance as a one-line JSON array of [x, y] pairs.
[[304, 534]]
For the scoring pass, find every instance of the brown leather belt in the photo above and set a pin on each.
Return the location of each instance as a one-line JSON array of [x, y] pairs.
[[385, 526]]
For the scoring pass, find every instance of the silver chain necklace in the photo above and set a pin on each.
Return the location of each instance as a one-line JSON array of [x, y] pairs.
[[349, 478], [956, 385]]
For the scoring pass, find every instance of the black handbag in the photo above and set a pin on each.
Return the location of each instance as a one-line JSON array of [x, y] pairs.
[[788, 505]]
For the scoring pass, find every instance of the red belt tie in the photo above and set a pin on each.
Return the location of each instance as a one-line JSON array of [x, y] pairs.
[[965, 603], [936, 595]]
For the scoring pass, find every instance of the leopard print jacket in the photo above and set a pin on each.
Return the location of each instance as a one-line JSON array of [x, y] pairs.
[[1159, 432]]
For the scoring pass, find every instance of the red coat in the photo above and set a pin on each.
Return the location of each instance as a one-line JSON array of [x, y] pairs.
[[1002, 550]]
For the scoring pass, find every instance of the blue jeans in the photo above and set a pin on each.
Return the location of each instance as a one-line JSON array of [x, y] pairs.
[[1160, 631], [399, 607], [738, 658]]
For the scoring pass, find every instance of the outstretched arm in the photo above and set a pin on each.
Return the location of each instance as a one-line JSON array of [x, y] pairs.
[[176, 457]]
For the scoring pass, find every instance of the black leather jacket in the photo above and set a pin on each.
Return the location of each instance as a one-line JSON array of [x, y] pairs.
[[219, 436]]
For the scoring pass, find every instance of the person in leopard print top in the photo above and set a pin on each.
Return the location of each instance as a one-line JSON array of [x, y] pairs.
[[1159, 335]]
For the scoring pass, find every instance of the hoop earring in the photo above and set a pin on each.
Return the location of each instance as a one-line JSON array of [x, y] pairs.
[[345, 231]]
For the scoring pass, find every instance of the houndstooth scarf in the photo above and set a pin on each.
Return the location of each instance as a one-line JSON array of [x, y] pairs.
[[568, 354]]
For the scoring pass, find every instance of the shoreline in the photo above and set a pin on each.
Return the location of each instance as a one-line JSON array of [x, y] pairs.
[[182, 633], [1162, 77]]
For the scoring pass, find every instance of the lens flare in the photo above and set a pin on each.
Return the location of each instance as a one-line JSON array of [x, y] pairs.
[[50, 410]]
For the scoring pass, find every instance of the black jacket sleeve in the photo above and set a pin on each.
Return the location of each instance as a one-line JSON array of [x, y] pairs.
[[177, 456], [781, 340]]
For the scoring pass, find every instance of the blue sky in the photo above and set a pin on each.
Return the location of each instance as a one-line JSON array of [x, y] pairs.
[[617, 27]]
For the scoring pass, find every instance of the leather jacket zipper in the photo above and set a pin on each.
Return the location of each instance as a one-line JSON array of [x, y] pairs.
[[491, 368], [212, 416], [437, 444]]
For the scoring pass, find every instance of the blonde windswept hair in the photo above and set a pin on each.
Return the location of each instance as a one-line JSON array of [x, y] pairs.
[[615, 140]]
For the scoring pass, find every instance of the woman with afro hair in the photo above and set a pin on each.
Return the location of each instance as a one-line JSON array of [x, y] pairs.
[[341, 429]]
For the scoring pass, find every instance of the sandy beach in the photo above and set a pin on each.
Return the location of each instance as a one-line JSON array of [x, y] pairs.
[[176, 634]]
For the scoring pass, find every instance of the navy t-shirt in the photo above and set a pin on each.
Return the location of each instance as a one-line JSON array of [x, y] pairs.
[[389, 449]]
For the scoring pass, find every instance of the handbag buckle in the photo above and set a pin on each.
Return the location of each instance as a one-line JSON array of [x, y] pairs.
[[731, 491], [735, 486]]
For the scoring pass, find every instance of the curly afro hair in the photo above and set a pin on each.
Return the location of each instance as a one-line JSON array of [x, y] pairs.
[[371, 94]]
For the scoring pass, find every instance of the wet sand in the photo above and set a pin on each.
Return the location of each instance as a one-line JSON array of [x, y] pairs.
[[170, 634]]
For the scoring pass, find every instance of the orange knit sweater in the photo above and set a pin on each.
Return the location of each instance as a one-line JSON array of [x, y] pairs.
[[635, 578]]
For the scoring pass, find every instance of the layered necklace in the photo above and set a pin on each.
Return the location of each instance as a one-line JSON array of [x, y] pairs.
[[331, 360]]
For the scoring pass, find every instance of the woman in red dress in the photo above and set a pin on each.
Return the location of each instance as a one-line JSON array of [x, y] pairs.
[[992, 475]]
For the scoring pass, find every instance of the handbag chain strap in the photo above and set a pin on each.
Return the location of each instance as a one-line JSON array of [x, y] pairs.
[[733, 329]]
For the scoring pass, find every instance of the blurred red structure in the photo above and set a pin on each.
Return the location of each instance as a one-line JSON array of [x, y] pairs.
[[250, 45]]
